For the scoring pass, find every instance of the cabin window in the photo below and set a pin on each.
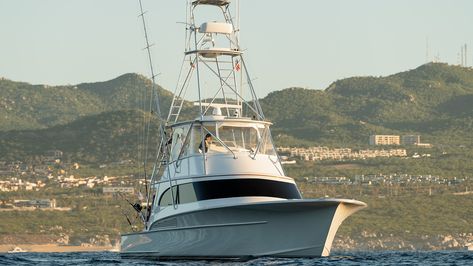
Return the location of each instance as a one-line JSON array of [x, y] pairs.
[[198, 134], [217, 189], [226, 138], [245, 188], [238, 138], [166, 198], [180, 142], [266, 145], [186, 193]]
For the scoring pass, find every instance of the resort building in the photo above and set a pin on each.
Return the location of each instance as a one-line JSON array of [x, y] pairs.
[[410, 139], [385, 140]]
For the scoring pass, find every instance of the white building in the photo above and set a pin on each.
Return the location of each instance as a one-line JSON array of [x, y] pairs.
[[385, 140]]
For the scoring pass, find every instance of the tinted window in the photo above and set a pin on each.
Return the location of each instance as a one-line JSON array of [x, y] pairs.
[[218, 189], [187, 193], [166, 198]]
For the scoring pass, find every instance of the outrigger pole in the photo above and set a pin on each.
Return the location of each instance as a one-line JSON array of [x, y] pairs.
[[155, 96]]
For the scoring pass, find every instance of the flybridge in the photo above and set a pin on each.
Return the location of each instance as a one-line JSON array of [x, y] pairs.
[[214, 67]]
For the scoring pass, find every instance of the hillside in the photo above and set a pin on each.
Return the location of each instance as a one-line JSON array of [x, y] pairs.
[[26, 106], [105, 137], [433, 100], [412, 96]]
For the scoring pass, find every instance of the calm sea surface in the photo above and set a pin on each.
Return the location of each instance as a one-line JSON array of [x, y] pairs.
[[358, 258]]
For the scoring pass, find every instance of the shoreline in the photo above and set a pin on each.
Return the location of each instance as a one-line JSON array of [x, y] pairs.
[[55, 248], [44, 248]]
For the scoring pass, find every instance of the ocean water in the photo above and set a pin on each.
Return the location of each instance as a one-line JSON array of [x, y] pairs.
[[459, 258]]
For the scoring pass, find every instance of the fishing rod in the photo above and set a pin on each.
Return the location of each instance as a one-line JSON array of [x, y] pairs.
[[157, 112]]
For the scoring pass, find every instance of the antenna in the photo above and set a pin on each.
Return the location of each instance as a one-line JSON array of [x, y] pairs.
[[463, 55], [466, 53], [427, 59], [238, 21], [437, 58]]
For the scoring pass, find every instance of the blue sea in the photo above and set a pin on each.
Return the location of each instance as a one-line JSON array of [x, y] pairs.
[[357, 258]]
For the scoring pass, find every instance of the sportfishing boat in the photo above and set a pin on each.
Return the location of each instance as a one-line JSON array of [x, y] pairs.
[[217, 189]]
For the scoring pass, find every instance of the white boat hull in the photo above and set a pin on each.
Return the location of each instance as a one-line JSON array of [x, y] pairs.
[[283, 228]]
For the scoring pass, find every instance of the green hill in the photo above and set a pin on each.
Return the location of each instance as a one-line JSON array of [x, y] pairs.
[[433, 100], [26, 106], [409, 96], [106, 137]]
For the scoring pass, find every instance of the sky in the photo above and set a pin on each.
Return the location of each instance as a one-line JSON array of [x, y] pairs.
[[298, 43]]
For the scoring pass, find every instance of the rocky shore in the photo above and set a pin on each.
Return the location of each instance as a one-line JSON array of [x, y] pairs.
[[374, 241], [56, 243], [53, 248], [364, 242]]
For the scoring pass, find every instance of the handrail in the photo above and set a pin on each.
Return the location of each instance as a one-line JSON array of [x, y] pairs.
[[278, 158], [260, 142], [257, 149]]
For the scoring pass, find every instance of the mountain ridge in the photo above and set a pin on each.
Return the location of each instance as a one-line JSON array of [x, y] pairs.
[[26, 106], [434, 100]]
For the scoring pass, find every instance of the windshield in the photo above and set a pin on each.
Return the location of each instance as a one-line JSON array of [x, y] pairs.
[[222, 137], [238, 138]]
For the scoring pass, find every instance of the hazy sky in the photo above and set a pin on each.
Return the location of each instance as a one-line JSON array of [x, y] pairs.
[[306, 43]]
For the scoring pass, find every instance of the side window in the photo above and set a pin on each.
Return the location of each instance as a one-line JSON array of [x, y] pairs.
[[180, 142], [196, 139], [177, 142], [184, 193], [166, 198], [267, 146], [187, 193], [217, 189], [250, 138], [185, 140]]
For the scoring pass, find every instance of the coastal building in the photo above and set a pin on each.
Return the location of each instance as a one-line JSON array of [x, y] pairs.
[[54, 154], [129, 190], [325, 153], [424, 145], [410, 139], [385, 140], [36, 203]]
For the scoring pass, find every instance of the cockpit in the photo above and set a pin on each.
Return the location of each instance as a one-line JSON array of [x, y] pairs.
[[221, 137]]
